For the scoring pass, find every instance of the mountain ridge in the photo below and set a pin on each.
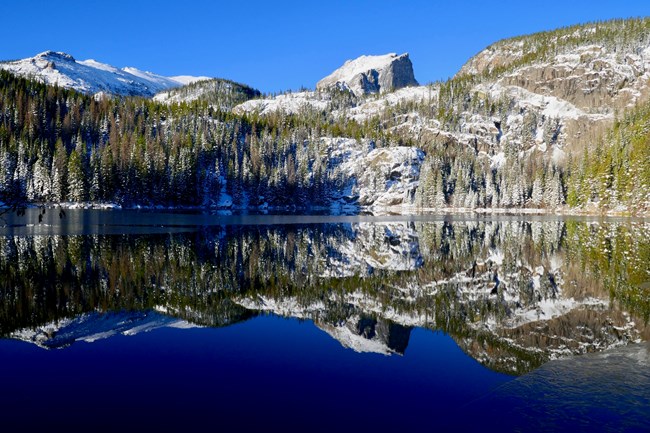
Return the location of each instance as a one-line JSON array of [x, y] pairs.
[[91, 77]]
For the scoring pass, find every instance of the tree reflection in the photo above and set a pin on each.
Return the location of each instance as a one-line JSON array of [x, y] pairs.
[[513, 294]]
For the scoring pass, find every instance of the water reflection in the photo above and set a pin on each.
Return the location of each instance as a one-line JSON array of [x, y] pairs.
[[607, 391], [512, 293]]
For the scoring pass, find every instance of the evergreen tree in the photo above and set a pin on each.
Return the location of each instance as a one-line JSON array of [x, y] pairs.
[[76, 178], [59, 172]]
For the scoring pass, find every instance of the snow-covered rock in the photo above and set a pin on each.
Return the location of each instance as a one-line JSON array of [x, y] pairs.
[[376, 177], [389, 176], [370, 107], [91, 76], [569, 92], [372, 74]]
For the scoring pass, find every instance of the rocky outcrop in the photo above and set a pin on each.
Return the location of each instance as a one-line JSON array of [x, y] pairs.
[[372, 74], [381, 177], [389, 176], [578, 78]]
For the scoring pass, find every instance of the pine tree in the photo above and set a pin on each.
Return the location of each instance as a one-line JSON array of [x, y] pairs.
[[59, 173], [537, 195], [553, 194], [41, 182], [76, 178], [94, 189]]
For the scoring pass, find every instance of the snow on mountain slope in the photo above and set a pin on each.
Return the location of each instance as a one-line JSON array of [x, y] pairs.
[[91, 76], [570, 82], [95, 326], [188, 79], [372, 74], [290, 103], [370, 107]]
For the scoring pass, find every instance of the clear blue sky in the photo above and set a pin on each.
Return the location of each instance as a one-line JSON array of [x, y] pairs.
[[285, 44]]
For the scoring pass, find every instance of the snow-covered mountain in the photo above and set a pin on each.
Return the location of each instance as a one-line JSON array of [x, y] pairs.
[[372, 74], [91, 76], [565, 98], [498, 135]]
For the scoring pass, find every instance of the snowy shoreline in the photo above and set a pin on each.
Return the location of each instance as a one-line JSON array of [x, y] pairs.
[[349, 209]]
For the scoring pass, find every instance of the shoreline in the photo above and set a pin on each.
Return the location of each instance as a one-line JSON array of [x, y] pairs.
[[348, 209]]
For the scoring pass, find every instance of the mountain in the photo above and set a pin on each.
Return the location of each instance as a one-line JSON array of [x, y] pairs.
[[91, 77], [545, 91], [372, 74], [217, 92], [506, 130], [582, 75]]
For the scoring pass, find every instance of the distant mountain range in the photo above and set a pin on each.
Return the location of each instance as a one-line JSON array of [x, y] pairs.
[[91, 77]]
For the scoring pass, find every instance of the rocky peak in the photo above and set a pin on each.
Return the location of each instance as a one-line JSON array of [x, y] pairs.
[[372, 74], [55, 55]]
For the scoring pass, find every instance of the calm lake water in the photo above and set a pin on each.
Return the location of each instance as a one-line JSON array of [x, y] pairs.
[[119, 320]]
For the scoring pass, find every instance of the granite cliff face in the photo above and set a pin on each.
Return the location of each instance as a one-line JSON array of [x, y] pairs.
[[578, 78], [372, 74]]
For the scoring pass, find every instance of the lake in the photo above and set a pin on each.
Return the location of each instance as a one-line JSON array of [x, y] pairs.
[[177, 321]]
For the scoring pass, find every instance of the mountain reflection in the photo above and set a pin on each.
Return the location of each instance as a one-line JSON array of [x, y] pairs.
[[512, 294]]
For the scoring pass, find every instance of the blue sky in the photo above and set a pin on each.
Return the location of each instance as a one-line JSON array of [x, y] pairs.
[[282, 45]]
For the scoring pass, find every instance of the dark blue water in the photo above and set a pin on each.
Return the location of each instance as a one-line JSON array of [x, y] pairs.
[[266, 374], [607, 391]]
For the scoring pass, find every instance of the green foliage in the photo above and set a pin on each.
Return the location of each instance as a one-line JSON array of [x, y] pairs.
[[617, 257], [616, 174]]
